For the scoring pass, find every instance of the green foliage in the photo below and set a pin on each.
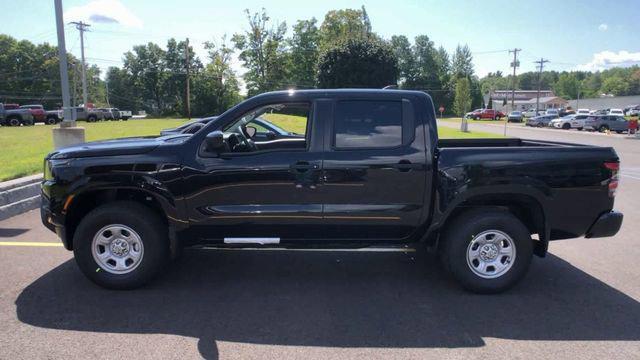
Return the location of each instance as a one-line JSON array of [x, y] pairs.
[[358, 63], [304, 53], [263, 53], [344, 24], [462, 100]]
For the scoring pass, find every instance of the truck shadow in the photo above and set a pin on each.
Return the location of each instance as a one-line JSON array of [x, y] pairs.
[[335, 299]]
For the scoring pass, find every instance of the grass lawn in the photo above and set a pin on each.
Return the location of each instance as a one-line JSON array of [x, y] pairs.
[[23, 148], [451, 133]]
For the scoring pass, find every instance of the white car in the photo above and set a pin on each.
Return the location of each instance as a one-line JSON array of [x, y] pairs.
[[578, 121], [562, 123], [616, 112], [582, 112], [532, 112], [552, 112]]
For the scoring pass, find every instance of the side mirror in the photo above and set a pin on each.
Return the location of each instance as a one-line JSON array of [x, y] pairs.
[[214, 141], [250, 131]]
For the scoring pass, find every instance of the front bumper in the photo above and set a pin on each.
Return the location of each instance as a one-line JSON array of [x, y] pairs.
[[608, 224], [52, 222]]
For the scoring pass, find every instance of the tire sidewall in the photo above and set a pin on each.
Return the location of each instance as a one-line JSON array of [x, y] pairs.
[[465, 229], [143, 222]]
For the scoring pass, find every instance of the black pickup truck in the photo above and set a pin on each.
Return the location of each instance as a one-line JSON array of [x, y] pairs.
[[365, 169]]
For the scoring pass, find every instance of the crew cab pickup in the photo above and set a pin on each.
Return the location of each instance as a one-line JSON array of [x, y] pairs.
[[357, 168], [13, 115]]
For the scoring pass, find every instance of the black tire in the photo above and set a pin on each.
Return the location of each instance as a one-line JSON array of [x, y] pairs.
[[125, 118], [139, 218], [92, 118], [579, 129], [14, 121], [50, 121], [566, 126], [603, 128], [458, 236]]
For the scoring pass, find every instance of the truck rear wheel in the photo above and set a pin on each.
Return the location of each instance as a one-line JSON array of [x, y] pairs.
[[121, 245], [486, 251], [13, 121]]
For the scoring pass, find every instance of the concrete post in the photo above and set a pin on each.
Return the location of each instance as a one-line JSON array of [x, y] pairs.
[[67, 134]]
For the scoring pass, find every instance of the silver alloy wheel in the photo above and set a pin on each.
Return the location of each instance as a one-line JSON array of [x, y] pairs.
[[117, 249], [491, 254]]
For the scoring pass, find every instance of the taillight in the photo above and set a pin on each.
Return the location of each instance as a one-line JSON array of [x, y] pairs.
[[614, 167]]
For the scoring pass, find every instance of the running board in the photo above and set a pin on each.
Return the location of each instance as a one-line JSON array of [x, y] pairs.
[[365, 249], [251, 240]]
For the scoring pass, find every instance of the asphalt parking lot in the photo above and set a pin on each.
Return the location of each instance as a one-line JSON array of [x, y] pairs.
[[581, 301]]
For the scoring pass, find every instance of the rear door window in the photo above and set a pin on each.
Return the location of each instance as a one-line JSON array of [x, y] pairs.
[[367, 124]]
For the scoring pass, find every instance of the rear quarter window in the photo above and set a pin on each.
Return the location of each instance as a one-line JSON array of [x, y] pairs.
[[367, 124]]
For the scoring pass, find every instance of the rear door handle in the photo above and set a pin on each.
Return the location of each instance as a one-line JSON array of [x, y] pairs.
[[303, 166]]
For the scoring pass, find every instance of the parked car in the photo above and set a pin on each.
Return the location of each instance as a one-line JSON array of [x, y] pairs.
[[125, 207], [88, 114], [121, 114], [582, 112], [107, 114], [39, 115], [555, 112], [49, 117], [565, 112], [540, 121], [566, 122], [471, 114], [634, 112], [489, 114], [515, 116], [604, 123], [616, 112], [599, 112], [629, 109], [15, 116], [533, 113]]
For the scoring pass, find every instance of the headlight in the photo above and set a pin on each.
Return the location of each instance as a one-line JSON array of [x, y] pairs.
[[47, 170]]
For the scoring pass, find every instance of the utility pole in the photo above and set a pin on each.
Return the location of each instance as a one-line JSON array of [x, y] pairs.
[[106, 84], [514, 64], [188, 102], [82, 27], [541, 63], [68, 133]]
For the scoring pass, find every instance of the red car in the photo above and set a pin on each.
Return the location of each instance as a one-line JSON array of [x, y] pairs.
[[39, 115], [490, 114]]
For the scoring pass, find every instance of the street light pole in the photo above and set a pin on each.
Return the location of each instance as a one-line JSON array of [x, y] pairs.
[[68, 133]]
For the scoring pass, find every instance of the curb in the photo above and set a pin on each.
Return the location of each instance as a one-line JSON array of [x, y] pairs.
[[19, 195]]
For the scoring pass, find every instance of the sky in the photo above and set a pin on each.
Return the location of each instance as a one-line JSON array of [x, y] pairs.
[[572, 35]]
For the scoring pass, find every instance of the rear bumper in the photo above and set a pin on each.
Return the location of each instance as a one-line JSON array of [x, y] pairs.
[[608, 224]]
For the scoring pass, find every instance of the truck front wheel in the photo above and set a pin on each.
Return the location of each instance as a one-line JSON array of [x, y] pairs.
[[121, 245], [486, 251]]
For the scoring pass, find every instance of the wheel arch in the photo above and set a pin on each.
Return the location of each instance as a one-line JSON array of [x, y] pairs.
[[526, 208], [83, 202]]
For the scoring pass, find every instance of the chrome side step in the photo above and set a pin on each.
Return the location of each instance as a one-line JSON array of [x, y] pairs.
[[247, 240]]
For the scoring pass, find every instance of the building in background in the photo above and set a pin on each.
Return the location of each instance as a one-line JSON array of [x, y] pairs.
[[525, 100], [616, 102]]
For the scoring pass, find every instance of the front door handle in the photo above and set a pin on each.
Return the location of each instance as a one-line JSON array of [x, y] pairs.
[[405, 166], [303, 166]]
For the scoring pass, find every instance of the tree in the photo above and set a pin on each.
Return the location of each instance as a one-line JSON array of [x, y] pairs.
[[304, 53], [567, 86], [345, 24], [462, 62], [263, 53], [146, 64], [462, 100], [215, 89], [358, 63], [615, 85], [406, 60]]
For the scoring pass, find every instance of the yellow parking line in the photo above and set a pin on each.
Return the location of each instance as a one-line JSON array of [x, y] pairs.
[[26, 243]]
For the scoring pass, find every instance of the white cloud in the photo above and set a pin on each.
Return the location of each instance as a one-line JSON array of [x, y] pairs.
[[608, 59], [103, 11], [603, 27]]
